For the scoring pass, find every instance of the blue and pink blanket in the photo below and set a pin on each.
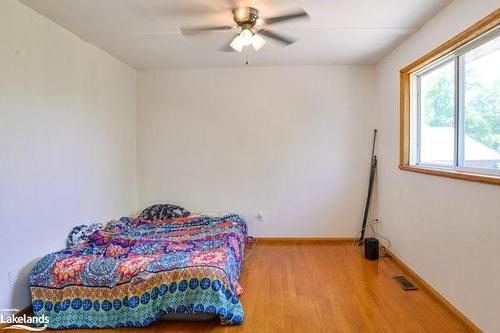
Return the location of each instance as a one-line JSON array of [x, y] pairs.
[[133, 272]]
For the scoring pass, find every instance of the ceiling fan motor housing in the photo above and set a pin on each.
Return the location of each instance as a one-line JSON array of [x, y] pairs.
[[245, 17]]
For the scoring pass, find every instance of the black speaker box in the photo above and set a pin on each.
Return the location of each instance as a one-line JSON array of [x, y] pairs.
[[371, 248]]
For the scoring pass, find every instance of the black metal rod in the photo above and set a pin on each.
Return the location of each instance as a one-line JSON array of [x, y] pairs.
[[373, 169]]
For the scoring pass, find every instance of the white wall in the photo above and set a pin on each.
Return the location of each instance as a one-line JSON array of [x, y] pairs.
[[447, 230], [290, 142], [67, 140]]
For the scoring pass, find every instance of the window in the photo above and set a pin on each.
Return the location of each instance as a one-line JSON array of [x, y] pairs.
[[480, 141], [450, 107]]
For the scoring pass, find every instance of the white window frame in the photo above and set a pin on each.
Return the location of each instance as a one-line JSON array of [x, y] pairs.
[[457, 57]]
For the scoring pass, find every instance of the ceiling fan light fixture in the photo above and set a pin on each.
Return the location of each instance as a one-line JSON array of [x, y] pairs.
[[246, 37], [258, 42], [237, 44]]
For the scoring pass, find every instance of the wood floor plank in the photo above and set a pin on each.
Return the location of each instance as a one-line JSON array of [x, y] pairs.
[[324, 287]]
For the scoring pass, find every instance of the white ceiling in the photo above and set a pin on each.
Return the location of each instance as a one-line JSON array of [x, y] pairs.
[[145, 33]]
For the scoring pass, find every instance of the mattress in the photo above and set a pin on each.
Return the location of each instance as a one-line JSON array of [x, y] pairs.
[[134, 272]]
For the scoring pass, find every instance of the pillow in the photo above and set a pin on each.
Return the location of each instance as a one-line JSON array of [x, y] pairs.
[[81, 233], [163, 211]]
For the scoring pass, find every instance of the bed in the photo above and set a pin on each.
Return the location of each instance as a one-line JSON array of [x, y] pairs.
[[134, 272]]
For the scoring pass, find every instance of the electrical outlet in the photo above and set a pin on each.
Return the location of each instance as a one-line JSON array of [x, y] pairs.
[[13, 276]]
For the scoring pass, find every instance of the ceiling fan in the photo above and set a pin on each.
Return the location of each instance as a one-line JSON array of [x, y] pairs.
[[250, 27]]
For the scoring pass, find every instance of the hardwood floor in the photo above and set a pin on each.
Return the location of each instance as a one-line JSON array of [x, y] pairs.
[[324, 287]]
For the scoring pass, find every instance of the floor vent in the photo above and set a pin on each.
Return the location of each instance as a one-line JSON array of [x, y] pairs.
[[404, 283]]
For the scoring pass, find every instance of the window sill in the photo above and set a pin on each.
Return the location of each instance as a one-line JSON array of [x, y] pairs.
[[473, 177]]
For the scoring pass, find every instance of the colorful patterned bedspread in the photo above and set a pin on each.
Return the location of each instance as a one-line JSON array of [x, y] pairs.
[[133, 272]]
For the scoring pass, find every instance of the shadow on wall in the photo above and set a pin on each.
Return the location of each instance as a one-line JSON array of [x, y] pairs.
[[20, 290]]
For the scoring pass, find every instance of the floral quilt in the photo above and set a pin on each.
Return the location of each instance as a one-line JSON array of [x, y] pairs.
[[133, 272]]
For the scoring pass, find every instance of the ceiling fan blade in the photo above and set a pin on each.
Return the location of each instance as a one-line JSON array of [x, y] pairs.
[[227, 47], [278, 37], [300, 13], [197, 30], [232, 4]]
